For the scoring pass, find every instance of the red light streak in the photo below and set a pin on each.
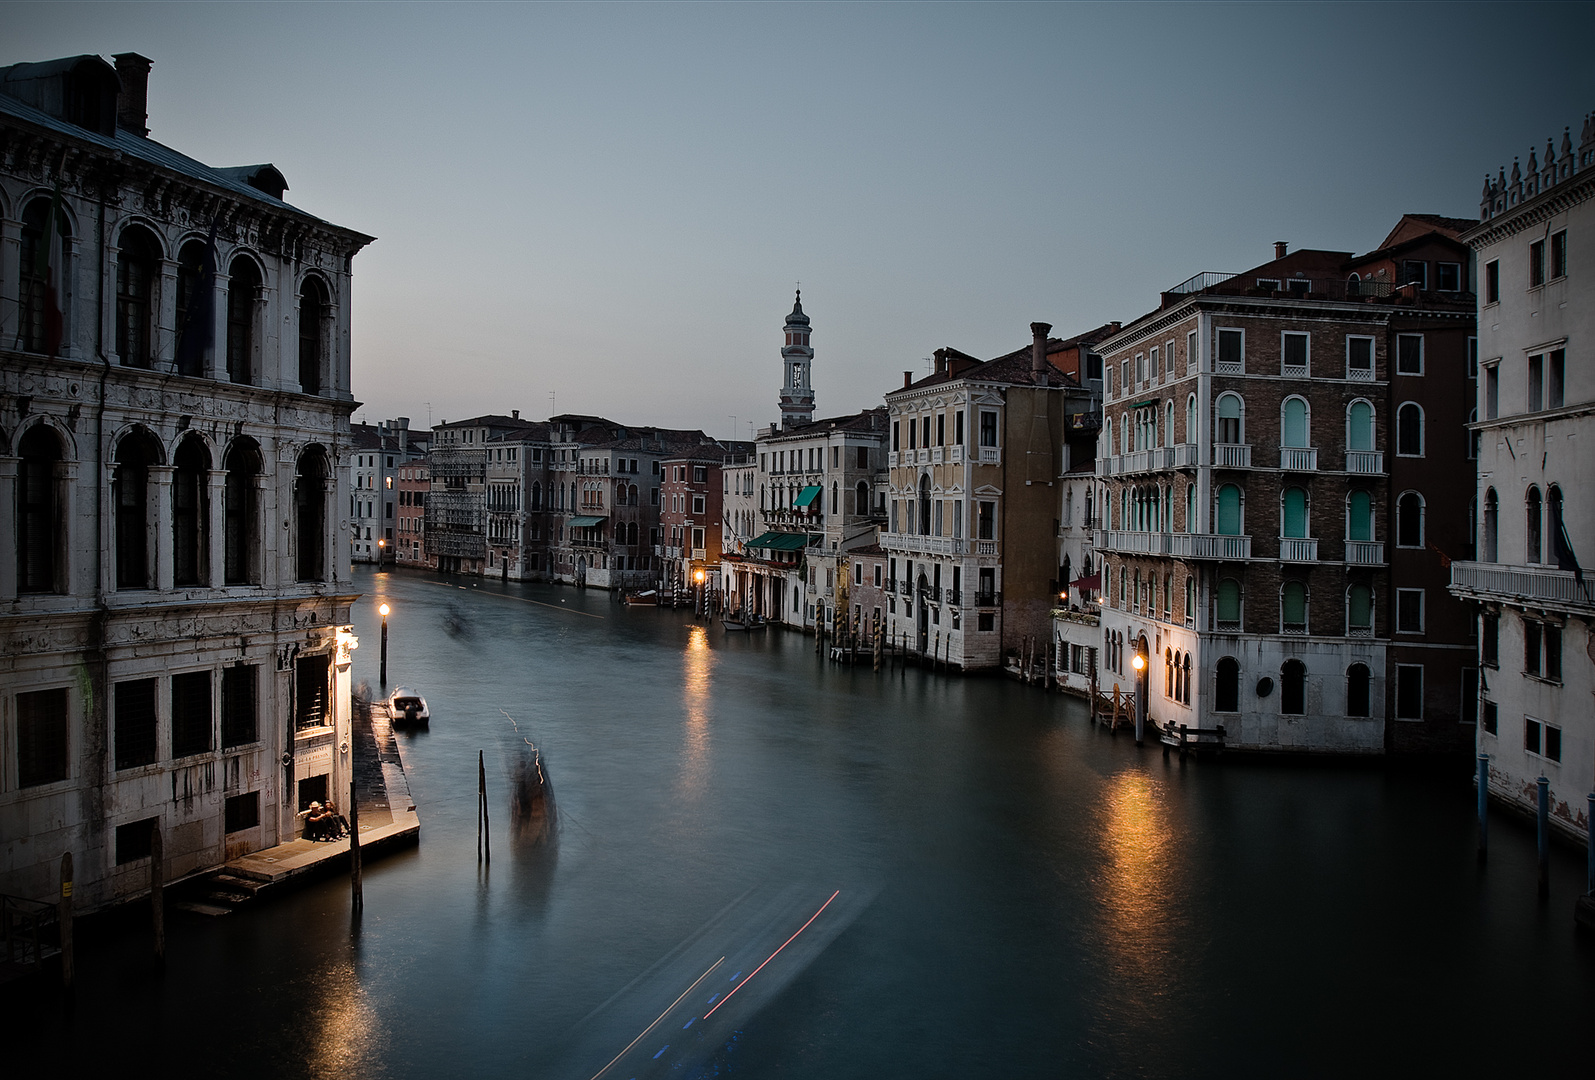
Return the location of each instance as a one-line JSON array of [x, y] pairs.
[[773, 955]]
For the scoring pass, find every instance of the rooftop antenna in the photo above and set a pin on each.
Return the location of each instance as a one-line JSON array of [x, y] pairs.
[[429, 416], [930, 363], [552, 412], [733, 433]]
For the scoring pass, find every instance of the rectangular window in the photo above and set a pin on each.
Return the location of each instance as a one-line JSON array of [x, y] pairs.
[[1536, 264], [986, 521], [191, 719], [133, 840], [241, 812], [986, 621], [310, 692], [1553, 652], [1553, 742], [312, 789], [1409, 354], [1492, 282], [698, 504], [897, 433], [1559, 254], [1531, 647], [1490, 640], [1409, 691], [1536, 383], [1409, 611], [1190, 351], [1473, 358], [1450, 277], [1555, 394], [1491, 719], [41, 737], [1415, 272], [1231, 350], [697, 539], [1294, 349], [700, 474], [877, 575], [1359, 358], [1492, 391], [1531, 735], [135, 723], [988, 428], [239, 696], [1124, 376], [958, 518]]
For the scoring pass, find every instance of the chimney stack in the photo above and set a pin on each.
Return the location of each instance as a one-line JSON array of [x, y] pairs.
[[1038, 351], [908, 379], [515, 414], [1280, 247], [132, 100]]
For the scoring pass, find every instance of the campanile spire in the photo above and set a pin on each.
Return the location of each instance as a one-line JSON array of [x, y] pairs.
[[797, 395]]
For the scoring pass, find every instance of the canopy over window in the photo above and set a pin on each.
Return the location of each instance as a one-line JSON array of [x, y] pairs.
[[585, 522], [806, 497], [781, 541]]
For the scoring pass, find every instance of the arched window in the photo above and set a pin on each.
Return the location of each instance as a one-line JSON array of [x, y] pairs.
[[573, 495], [861, 499], [1227, 687], [1409, 430], [243, 287], [1359, 516], [537, 495], [631, 533], [1229, 419], [1533, 514], [1359, 611], [135, 455], [836, 507], [1107, 435], [1229, 510], [1185, 681], [191, 514], [1359, 426], [1293, 513], [1409, 520], [1190, 601], [41, 329], [1358, 681], [1293, 608], [631, 494], [41, 550], [1168, 673], [135, 280], [1559, 537], [1227, 604], [1190, 418], [191, 308], [312, 313], [241, 514], [310, 511], [1168, 423], [1293, 688], [1491, 522], [1190, 507], [1293, 423]]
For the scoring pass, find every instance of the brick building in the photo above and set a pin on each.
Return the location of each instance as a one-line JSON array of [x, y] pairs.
[[1284, 473]]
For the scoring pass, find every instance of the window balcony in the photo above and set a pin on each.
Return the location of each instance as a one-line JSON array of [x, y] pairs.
[[955, 455], [1210, 546], [924, 545], [1186, 456], [1359, 374], [1296, 549], [991, 455], [1539, 585], [1365, 553], [1232, 455], [1135, 543], [955, 597], [988, 599], [1298, 460], [1365, 462], [985, 547], [937, 455], [891, 459]]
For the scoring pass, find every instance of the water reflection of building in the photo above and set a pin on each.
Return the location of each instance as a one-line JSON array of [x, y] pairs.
[[174, 463]]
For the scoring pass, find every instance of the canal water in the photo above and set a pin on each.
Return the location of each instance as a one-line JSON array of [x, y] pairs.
[[768, 865]]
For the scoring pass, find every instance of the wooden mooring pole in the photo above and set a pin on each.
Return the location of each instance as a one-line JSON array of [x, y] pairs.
[[1543, 833], [158, 893], [357, 896], [1484, 807], [64, 921], [484, 837]]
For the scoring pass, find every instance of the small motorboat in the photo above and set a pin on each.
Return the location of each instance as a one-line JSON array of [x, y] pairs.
[[406, 706], [649, 597], [742, 622]]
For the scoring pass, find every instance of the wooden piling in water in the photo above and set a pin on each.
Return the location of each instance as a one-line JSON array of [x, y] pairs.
[[484, 836], [64, 921], [158, 892], [356, 884]]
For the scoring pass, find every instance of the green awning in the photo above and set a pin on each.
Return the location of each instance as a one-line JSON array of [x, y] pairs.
[[781, 541], [585, 522], [806, 496]]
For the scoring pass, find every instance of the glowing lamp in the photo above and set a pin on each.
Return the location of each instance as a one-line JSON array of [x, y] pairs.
[[383, 611], [1138, 662]]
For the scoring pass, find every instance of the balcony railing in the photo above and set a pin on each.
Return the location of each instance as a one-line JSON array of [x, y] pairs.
[[1186, 455], [924, 545], [1232, 455], [1296, 549], [955, 597], [955, 455], [937, 454], [1211, 546], [988, 599], [1524, 583], [985, 547], [1298, 460], [991, 455], [1359, 374], [1365, 553], [891, 459], [1366, 462]]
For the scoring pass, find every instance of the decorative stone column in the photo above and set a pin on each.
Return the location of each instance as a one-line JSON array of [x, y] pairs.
[[329, 530], [8, 525], [160, 498], [66, 501], [163, 349], [255, 561], [216, 357], [216, 526]]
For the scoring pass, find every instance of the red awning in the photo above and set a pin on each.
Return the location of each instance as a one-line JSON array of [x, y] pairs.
[[1094, 582]]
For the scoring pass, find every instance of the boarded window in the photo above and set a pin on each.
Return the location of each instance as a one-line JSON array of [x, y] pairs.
[[135, 723]]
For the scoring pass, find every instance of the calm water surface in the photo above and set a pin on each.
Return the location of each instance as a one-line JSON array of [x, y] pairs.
[[1015, 893]]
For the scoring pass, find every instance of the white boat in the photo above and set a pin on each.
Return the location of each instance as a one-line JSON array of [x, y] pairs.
[[406, 706]]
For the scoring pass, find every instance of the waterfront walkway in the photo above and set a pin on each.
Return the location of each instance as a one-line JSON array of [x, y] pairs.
[[387, 821]]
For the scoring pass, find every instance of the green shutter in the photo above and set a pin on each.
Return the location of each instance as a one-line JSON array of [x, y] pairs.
[[1229, 601], [1360, 527], [1229, 510], [1295, 433], [1294, 603], [1295, 524], [1360, 604], [1360, 437]]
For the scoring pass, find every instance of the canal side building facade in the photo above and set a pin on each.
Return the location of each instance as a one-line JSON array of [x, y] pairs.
[[1285, 474], [1534, 432], [174, 459]]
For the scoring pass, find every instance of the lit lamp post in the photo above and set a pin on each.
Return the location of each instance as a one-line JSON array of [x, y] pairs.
[[383, 610], [698, 577], [382, 546], [1140, 696]]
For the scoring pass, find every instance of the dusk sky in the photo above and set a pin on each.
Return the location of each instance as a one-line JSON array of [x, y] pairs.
[[614, 202]]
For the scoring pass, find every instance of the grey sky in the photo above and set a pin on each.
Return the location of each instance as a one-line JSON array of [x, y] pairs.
[[613, 202]]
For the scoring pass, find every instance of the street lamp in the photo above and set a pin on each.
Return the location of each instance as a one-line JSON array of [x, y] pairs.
[[698, 577], [1141, 681], [383, 611], [381, 551]]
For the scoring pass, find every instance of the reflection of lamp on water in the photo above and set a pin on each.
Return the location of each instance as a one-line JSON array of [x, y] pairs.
[[383, 611]]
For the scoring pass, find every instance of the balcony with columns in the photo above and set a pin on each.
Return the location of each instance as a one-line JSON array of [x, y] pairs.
[[1298, 459], [1537, 586], [1365, 553], [1176, 545], [1365, 462], [1298, 549]]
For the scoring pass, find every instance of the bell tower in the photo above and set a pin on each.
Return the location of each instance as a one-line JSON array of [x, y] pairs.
[[797, 396]]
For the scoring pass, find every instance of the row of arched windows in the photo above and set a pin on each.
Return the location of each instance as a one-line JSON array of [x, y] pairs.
[[1542, 525], [1138, 428], [1294, 607], [1292, 688], [1150, 508], [142, 484], [1177, 676], [138, 329]]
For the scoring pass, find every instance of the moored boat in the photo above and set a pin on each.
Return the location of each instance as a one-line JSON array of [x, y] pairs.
[[406, 706]]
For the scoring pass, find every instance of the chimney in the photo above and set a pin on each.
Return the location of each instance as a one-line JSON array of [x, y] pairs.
[[1280, 247], [132, 100], [515, 414], [908, 379], [1038, 351]]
